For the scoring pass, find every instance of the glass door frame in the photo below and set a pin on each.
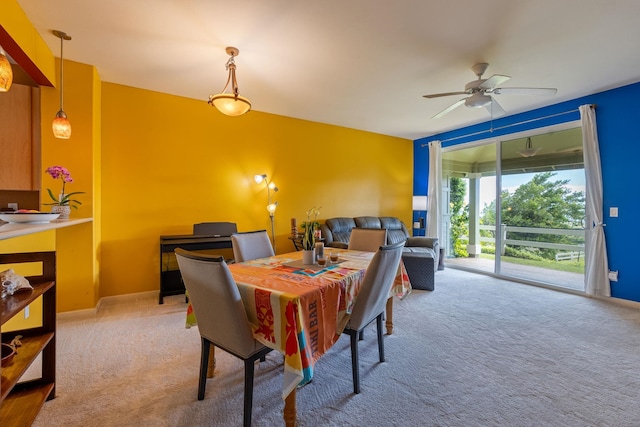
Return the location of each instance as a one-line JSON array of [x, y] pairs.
[[498, 140]]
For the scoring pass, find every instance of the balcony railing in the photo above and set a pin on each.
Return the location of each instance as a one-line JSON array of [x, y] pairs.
[[506, 229]]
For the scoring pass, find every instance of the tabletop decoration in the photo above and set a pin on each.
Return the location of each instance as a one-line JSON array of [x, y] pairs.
[[309, 236], [63, 203]]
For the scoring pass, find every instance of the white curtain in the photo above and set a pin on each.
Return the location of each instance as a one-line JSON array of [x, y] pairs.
[[434, 191], [596, 275]]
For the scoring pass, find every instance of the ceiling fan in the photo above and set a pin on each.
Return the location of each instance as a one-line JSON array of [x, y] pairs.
[[480, 91]]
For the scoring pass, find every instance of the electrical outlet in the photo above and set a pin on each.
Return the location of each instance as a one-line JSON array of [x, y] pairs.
[[613, 276], [26, 312], [13, 206]]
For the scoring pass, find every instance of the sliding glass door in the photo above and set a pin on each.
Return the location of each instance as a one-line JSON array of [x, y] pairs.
[[534, 230]]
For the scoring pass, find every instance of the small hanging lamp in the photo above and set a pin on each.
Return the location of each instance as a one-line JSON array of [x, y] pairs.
[[61, 125], [528, 151], [6, 72], [231, 104]]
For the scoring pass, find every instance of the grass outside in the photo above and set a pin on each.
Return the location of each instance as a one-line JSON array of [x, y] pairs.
[[568, 266]]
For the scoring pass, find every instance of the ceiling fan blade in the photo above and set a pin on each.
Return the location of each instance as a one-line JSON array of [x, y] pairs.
[[438, 95], [449, 108], [495, 109], [524, 91], [494, 81]]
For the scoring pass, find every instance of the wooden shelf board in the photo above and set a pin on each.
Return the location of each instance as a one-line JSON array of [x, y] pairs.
[[23, 404], [31, 347], [13, 304]]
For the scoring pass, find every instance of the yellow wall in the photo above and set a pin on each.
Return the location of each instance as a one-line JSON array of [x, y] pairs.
[[156, 164], [77, 255], [169, 162], [77, 258]]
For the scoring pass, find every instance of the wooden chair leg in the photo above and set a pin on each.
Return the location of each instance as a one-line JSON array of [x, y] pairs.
[[355, 365], [389, 312], [380, 340], [248, 391], [211, 367], [204, 357]]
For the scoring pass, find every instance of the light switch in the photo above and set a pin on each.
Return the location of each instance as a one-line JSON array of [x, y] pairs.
[[613, 212]]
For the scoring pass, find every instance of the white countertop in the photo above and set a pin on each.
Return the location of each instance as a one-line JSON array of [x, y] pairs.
[[10, 229]]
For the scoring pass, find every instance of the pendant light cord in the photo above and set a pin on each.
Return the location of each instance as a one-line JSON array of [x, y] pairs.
[[61, 74]]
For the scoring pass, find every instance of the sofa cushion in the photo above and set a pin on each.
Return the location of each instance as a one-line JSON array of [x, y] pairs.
[[367, 222], [337, 231], [396, 230]]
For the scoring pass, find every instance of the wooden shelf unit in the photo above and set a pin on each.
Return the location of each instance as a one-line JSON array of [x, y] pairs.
[[20, 402]]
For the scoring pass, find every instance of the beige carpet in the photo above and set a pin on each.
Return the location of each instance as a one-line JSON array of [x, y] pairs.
[[475, 352]]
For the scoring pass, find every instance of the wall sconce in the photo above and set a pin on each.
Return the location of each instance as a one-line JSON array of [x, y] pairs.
[[271, 205], [61, 125], [231, 104], [6, 72], [420, 205]]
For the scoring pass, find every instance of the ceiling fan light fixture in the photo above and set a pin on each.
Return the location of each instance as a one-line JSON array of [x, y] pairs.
[[231, 104], [477, 100]]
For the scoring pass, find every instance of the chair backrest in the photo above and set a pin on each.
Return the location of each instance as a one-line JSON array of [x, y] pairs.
[[251, 245], [216, 302], [376, 286], [367, 239]]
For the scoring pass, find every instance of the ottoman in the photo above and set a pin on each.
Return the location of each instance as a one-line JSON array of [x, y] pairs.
[[420, 269]]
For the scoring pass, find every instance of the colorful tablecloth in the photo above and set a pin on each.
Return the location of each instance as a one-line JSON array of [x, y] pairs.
[[301, 310]]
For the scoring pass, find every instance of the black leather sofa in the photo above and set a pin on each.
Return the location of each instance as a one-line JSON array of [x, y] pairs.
[[420, 254]]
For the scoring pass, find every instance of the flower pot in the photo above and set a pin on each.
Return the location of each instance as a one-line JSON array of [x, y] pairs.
[[64, 211], [309, 256]]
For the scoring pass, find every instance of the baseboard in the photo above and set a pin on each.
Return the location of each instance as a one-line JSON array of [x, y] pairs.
[[620, 301], [115, 299]]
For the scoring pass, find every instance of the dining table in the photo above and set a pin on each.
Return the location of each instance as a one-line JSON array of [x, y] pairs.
[[301, 309]]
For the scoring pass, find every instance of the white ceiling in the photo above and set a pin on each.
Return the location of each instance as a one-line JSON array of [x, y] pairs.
[[362, 64]]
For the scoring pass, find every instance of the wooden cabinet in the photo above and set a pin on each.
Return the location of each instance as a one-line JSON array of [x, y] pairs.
[[20, 402]]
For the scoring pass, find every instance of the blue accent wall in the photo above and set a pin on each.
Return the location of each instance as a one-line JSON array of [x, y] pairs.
[[618, 123]]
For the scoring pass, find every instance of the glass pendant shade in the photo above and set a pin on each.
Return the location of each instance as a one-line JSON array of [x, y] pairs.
[[6, 73], [61, 126], [231, 105]]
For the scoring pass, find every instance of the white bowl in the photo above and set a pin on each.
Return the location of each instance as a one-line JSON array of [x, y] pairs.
[[30, 217]]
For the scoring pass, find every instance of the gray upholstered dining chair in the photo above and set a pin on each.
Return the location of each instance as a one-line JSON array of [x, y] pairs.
[[367, 239], [371, 300], [222, 320], [251, 245]]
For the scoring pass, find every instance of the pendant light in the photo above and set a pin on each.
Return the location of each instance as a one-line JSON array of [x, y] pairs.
[[6, 72], [528, 151], [61, 126], [231, 104]]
